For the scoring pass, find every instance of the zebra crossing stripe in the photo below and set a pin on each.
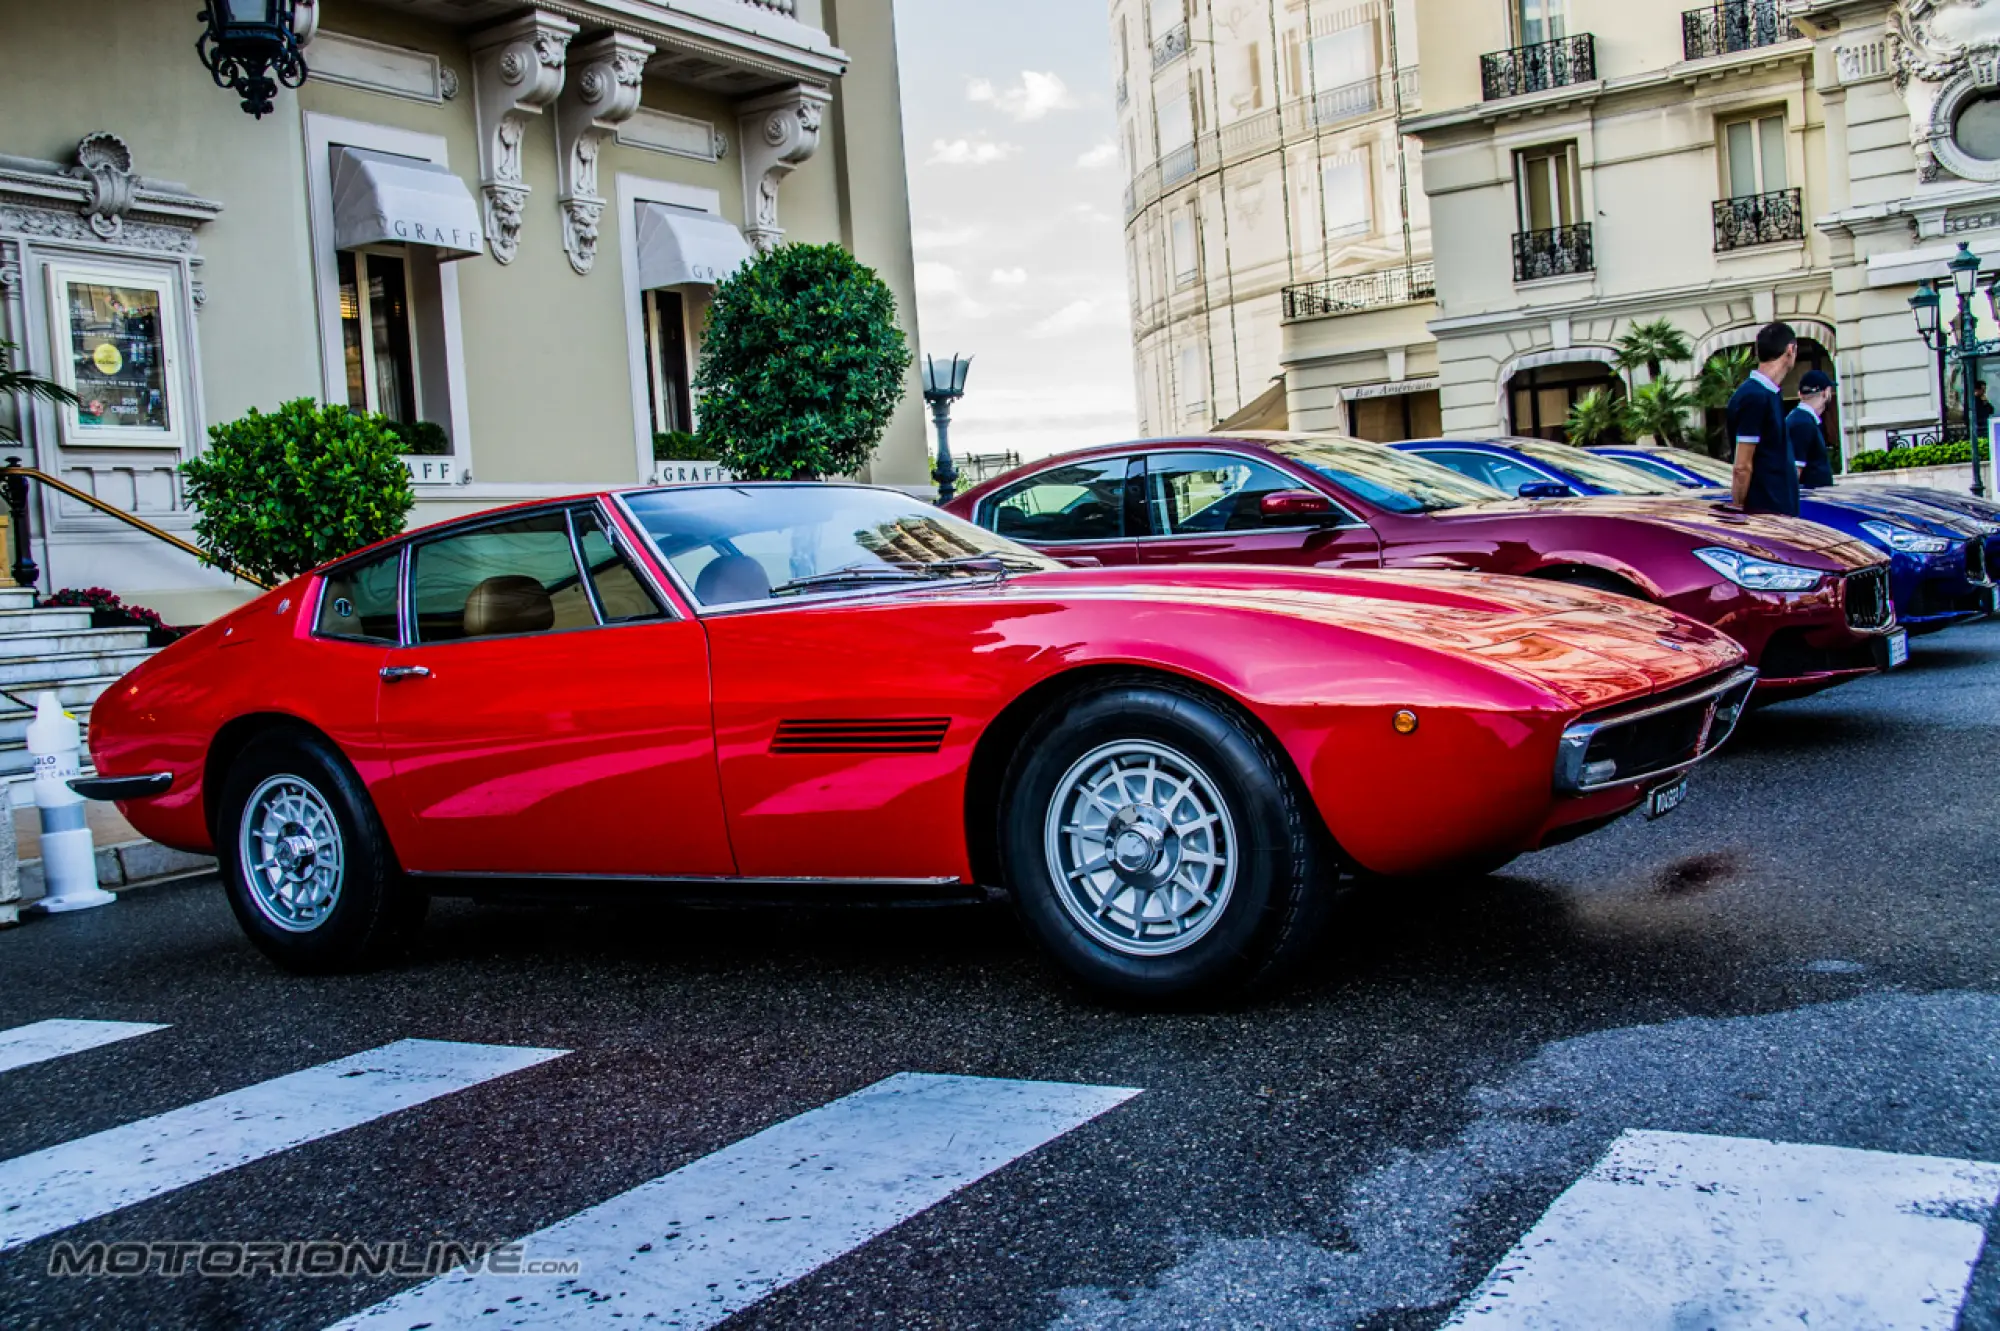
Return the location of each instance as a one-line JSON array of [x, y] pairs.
[[692, 1247], [79, 1180], [1679, 1230], [43, 1040]]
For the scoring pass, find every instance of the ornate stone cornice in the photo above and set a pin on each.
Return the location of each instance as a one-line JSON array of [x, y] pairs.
[[602, 92], [780, 132], [99, 199], [517, 71]]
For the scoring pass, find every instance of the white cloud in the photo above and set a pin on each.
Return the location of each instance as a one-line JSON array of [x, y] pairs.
[[1032, 98], [1081, 316], [1103, 155], [941, 285], [970, 152], [939, 237], [1010, 277]]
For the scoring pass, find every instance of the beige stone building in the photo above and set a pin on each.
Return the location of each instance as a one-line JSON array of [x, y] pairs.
[[1595, 163], [1267, 179], [496, 222]]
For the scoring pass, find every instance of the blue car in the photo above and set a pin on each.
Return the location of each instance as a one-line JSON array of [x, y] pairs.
[[1963, 513], [1937, 570]]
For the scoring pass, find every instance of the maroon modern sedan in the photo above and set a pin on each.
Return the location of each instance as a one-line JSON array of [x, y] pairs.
[[1810, 605]]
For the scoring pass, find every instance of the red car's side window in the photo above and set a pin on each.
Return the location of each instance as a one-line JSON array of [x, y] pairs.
[[359, 601]]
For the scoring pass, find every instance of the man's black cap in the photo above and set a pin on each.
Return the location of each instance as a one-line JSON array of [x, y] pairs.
[[1815, 381]]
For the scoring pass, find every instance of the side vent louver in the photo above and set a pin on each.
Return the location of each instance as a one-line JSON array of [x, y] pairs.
[[923, 734]]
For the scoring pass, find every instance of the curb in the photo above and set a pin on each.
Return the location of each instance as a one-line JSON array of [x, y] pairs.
[[131, 864]]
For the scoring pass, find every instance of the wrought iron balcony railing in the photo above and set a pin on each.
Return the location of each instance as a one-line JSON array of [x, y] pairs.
[[1538, 68], [1171, 46], [1759, 219], [1561, 252], [1369, 291], [1741, 25], [1124, 90]]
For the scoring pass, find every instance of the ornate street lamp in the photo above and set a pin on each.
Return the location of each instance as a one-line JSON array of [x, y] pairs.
[[1964, 268], [1927, 309], [944, 384], [246, 42]]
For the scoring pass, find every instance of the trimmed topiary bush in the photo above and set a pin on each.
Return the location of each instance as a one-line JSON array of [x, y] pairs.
[[802, 367], [278, 494]]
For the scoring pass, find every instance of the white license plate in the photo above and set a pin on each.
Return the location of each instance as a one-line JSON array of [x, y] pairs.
[[1899, 648], [1663, 800], [1991, 600]]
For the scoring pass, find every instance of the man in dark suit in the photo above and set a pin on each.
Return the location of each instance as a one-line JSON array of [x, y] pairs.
[[1808, 434], [1767, 474]]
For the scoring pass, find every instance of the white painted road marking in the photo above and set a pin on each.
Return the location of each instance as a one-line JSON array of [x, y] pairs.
[[44, 1040], [79, 1180], [692, 1247], [1672, 1230]]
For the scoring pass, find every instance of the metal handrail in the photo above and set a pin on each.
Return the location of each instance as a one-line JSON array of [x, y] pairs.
[[14, 480]]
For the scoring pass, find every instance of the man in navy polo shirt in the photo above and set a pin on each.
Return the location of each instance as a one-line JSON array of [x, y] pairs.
[[1808, 434], [1767, 471]]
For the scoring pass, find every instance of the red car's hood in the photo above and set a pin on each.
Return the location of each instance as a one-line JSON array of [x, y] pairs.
[[1787, 540], [1589, 645]]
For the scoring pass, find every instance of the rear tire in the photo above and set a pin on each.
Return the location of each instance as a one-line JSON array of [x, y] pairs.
[[1161, 848], [305, 861]]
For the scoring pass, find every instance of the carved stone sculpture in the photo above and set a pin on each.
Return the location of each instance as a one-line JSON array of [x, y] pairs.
[[779, 132], [517, 71], [605, 80]]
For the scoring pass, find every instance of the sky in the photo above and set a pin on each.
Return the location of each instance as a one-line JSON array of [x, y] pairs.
[[1016, 198]]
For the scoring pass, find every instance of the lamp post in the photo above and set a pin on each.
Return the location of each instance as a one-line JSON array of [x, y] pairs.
[[944, 384], [1959, 339], [245, 42]]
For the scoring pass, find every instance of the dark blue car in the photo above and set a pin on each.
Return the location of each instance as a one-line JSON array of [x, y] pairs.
[[1964, 514], [1929, 576]]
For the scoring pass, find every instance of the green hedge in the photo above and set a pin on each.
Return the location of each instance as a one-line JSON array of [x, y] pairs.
[[1920, 455]]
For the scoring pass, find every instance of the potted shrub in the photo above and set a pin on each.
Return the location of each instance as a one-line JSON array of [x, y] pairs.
[[802, 367], [275, 495]]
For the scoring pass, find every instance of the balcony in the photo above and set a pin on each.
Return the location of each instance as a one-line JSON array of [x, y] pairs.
[[1538, 68], [1171, 46], [1742, 26], [1759, 219], [1178, 165], [1563, 251], [1124, 90], [1369, 291]]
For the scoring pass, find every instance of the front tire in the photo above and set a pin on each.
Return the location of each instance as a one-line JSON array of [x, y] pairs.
[[306, 864], [1159, 846]]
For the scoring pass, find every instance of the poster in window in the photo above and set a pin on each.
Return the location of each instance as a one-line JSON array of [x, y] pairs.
[[117, 354]]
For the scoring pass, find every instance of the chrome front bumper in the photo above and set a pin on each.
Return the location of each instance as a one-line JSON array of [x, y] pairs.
[[1651, 739]]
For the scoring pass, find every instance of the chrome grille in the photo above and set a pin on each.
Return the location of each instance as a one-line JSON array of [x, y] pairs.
[[1652, 738], [1868, 603]]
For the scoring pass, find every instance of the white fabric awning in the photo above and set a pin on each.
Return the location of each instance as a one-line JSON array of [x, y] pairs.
[[678, 247], [384, 198]]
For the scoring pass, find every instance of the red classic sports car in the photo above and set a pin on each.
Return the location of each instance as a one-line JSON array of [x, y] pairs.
[[753, 685], [1809, 604]]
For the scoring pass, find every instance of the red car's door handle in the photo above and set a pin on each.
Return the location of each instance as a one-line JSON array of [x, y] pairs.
[[394, 673]]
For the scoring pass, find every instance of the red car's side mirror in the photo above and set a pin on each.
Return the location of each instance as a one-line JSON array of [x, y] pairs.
[[1295, 507]]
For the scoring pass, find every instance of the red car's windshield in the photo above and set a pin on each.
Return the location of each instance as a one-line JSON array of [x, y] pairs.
[[734, 545], [1385, 478]]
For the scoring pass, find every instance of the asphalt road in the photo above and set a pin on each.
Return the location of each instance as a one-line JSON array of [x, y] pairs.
[[1805, 952]]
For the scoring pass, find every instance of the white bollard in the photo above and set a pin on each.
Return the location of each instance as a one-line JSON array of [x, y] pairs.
[[69, 860]]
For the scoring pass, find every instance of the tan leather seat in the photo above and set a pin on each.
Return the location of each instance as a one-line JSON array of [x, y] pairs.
[[511, 603]]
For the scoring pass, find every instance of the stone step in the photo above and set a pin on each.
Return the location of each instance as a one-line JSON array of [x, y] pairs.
[[44, 618], [60, 641], [76, 696], [51, 667], [17, 598]]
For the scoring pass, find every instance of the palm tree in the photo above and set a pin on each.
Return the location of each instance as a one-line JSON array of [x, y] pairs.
[[13, 382], [1659, 409], [1720, 378], [1652, 345], [1595, 417]]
